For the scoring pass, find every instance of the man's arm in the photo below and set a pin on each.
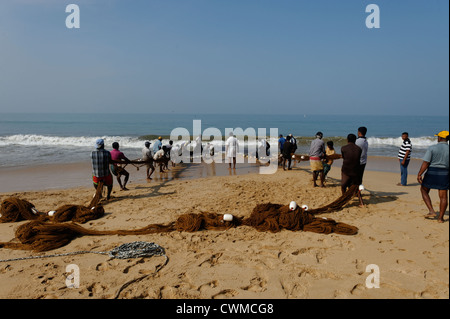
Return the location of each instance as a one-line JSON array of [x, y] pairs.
[[422, 170], [405, 157]]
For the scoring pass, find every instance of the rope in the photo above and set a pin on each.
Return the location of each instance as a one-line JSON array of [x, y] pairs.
[[136, 249]]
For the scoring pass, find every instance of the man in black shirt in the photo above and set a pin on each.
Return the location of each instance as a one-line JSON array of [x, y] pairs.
[[350, 171]]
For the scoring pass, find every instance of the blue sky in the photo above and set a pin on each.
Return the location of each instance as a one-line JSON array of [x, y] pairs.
[[225, 56]]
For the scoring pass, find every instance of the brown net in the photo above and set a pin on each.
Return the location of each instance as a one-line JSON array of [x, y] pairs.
[[338, 203], [42, 235], [14, 209]]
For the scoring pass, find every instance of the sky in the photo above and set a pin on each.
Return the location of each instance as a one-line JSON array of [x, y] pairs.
[[225, 56]]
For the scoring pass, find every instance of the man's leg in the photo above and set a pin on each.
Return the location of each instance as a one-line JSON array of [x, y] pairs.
[[127, 176], [427, 200], [315, 173], [443, 204], [322, 178], [119, 181], [344, 183], [404, 172], [109, 187]]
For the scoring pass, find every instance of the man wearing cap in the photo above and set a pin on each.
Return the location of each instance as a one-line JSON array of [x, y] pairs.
[[436, 168], [316, 153], [101, 159], [157, 146]]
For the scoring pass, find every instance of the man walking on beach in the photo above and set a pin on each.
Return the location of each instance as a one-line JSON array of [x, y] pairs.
[[101, 159], [362, 143], [316, 153], [436, 165], [404, 155]]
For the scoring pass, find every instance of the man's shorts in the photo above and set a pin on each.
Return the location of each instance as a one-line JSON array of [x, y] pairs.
[[107, 180], [116, 169], [436, 178]]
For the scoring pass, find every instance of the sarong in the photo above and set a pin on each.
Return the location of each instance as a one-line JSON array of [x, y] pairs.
[[436, 178], [315, 163]]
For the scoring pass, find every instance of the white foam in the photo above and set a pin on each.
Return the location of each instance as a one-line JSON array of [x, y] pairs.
[[84, 141], [419, 142], [77, 141]]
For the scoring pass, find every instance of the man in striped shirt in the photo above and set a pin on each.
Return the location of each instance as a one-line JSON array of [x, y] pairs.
[[404, 155]]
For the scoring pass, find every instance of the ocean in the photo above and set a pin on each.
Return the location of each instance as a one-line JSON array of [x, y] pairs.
[[34, 139]]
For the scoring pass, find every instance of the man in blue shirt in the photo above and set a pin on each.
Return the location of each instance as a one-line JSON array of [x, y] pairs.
[[436, 165], [157, 146], [281, 141]]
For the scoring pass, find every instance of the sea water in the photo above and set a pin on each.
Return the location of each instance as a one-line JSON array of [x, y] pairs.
[[33, 139]]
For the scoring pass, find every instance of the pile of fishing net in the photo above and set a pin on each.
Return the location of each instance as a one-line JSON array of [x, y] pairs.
[[14, 209], [41, 235]]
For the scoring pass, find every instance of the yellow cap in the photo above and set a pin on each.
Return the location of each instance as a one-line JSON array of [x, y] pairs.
[[442, 134]]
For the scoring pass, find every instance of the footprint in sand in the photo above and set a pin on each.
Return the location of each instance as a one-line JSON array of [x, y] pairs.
[[211, 261], [226, 293], [208, 286], [257, 284], [357, 290]]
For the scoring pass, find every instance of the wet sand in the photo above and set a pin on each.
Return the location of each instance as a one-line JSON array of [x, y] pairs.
[[62, 176]]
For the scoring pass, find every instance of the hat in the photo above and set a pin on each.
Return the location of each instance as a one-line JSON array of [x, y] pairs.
[[442, 134], [99, 143], [160, 138]]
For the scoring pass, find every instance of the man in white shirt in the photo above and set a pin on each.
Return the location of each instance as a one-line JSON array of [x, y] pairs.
[[147, 157], [361, 141], [231, 149]]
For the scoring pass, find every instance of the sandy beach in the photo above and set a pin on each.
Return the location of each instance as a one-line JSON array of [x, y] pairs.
[[411, 252]]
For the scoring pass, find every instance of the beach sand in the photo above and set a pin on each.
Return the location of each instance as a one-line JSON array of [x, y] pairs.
[[411, 253]]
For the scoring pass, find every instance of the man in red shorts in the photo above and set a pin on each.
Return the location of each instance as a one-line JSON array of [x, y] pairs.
[[101, 159]]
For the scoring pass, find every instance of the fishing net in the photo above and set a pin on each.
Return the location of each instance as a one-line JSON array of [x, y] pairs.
[[14, 209], [40, 234]]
